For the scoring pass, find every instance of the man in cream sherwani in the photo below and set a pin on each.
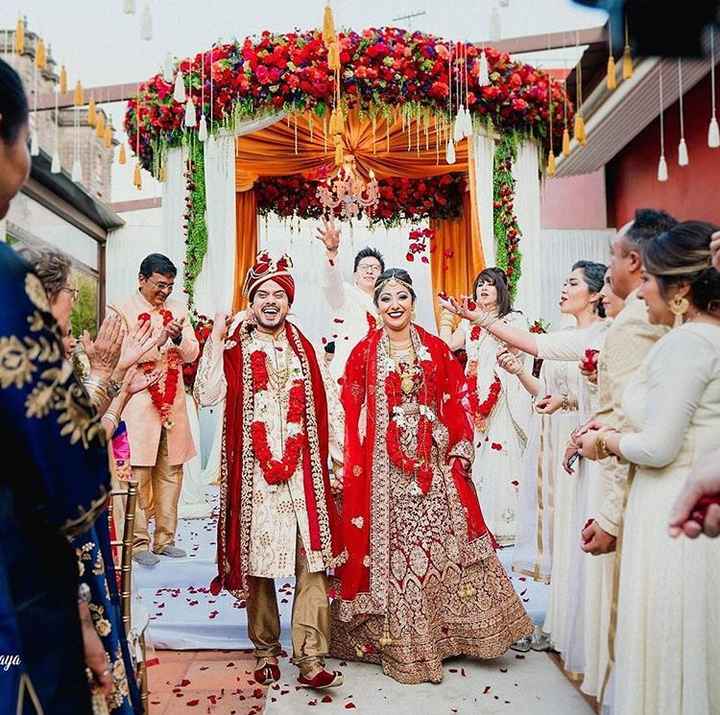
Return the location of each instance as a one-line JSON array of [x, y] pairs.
[[351, 304]]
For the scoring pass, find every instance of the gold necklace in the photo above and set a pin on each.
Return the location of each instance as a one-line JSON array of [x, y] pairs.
[[405, 369]]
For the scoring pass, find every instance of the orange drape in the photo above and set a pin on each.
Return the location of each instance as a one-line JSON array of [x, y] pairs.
[[415, 151], [457, 258], [246, 231]]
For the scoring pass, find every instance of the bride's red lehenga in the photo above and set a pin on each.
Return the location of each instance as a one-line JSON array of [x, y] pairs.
[[422, 582]]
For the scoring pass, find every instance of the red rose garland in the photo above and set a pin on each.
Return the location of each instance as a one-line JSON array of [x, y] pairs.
[[277, 471], [420, 467], [163, 397], [482, 410]]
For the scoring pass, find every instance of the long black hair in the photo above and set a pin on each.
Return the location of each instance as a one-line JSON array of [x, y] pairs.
[[498, 278], [13, 104]]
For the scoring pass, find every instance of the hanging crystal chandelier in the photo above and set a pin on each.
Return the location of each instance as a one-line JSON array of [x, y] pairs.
[[348, 190]]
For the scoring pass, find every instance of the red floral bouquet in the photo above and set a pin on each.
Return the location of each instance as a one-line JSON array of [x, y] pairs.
[[539, 327], [203, 329], [590, 361]]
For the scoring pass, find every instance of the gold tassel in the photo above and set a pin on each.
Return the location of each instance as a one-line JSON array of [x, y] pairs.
[[627, 70], [611, 74], [580, 129], [79, 98], [339, 152], [162, 174], [333, 56], [108, 138], [122, 156], [328, 32], [20, 36], [40, 54], [137, 177], [100, 125], [92, 113], [63, 80], [551, 164], [566, 142]]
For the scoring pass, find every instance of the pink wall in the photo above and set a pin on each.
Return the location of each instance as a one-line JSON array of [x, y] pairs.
[[574, 202], [691, 192]]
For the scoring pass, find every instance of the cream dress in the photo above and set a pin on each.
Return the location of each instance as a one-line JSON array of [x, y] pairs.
[[668, 633]]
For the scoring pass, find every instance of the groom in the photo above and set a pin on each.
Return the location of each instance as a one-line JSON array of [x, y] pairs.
[[277, 516]]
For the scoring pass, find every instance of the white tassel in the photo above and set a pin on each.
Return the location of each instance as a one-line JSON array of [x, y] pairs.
[[190, 116], [484, 71], [55, 168], [683, 158], [495, 29], [77, 171], [129, 7], [202, 129], [713, 134], [146, 27], [179, 93], [459, 128], [34, 144], [662, 174], [469, 129], [450, 152], [168, 69]]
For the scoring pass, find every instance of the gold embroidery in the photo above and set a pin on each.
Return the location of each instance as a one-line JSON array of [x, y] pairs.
[[36, 293], [16, 367], [102, 625]]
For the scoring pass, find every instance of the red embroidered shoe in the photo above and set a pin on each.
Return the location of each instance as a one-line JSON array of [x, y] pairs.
[[322, 680], [267, 674]]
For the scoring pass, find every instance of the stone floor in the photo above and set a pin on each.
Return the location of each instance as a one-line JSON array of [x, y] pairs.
[[221, 683]]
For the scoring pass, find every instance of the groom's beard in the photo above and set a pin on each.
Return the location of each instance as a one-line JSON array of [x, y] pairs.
[[270, 325]]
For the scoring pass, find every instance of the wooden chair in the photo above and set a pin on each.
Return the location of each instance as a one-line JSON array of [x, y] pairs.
[[134, 635]]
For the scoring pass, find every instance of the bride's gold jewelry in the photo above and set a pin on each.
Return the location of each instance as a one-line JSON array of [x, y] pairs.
[[679, 307]]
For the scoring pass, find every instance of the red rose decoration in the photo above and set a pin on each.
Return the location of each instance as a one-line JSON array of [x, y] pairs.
[[143, 317], [589, 363]]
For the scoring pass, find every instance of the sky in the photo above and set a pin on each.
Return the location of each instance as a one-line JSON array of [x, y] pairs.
[[100, 45]]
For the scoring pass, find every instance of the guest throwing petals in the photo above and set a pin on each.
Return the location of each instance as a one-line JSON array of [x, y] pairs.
[[422, 583]]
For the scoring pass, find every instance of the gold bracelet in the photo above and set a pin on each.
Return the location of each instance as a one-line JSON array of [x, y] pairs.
[[113, 418]]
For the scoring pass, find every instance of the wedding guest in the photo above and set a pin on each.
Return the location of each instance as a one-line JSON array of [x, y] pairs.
[[354, 312], [49, 428], [156, 418], [673, 411], [500, 406]]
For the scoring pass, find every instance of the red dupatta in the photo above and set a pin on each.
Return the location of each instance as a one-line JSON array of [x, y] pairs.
[[360, 390], [238, 458]]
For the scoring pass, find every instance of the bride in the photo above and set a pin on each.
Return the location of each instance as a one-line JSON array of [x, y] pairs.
[[422, 582]]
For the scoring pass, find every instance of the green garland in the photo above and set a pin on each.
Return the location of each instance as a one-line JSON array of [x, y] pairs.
[[196, 233], [507, 231]]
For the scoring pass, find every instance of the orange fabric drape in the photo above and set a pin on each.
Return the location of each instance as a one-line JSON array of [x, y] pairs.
[[246, 231], [271, 151], [457, 257]]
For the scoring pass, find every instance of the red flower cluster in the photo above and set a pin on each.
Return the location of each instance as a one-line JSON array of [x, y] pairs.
[[590, 361], [418, 244], [540, 327], [203, 329], [381, 67], [164, 398], [277, 471], [401, 199]]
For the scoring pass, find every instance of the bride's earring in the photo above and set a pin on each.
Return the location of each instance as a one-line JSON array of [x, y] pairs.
[[678, 307]]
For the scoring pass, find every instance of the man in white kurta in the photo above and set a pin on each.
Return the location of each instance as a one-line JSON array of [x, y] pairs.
[[274, 528], [351, 304]]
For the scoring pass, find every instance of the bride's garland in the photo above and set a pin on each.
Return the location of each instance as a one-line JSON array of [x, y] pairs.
[[421, 466], [163, 398], [481, 411], [277, 471]]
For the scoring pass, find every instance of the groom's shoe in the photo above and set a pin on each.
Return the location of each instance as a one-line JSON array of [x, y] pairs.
[[172, 551], [322, 680], [267, 672], [146, 558]]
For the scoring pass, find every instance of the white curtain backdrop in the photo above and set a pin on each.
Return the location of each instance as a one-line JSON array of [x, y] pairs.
[[559, 250], [484, 157], [310, 310], [215, 285], [527, 209]]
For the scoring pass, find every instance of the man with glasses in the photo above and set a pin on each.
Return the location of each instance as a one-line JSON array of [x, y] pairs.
[[354, 312], [156, 418]]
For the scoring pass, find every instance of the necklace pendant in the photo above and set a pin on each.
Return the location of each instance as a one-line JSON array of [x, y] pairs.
[[407, 384]]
